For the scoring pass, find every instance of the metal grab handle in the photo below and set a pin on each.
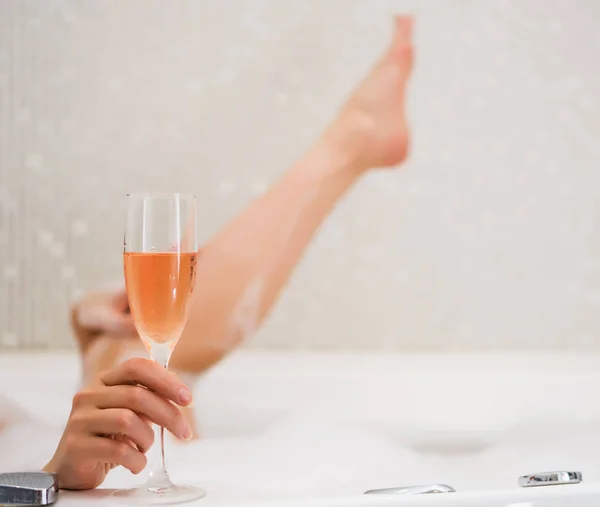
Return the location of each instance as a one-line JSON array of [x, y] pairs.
[[412, 490], [550, 479]]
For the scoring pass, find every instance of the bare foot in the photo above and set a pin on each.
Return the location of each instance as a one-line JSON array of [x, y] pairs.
[[373, 119]]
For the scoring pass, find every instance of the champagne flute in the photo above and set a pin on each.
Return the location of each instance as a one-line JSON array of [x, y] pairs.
[[160, 250]]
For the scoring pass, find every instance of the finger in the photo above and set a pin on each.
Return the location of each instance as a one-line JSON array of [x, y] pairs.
[[125, 439], [150, 375], [111, 451], [122, 422], [146, 403]]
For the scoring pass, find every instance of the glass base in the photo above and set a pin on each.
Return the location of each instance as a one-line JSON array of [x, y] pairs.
[[169, 495]]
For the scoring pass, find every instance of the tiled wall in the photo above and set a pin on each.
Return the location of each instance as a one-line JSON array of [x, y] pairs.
[[488, 238]]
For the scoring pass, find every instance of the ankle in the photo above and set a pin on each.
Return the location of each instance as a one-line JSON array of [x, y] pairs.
[[349, 136]]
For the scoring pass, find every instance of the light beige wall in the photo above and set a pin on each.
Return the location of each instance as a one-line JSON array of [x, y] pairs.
[[488, 238]]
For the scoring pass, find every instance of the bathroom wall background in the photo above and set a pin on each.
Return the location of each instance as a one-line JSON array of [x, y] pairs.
[[488, 238]]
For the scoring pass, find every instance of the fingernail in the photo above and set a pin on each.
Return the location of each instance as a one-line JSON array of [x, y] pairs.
[[187, 433], [185, 396]]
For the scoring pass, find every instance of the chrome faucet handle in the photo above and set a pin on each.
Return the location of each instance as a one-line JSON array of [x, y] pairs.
[[412, 490], [28, 488], [550, 479]]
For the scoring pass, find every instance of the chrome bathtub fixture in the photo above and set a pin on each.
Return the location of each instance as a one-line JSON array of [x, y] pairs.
[[550, 479], [412, 490], [28, 488]]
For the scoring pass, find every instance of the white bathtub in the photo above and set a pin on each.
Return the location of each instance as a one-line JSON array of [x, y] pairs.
[[320, 429]]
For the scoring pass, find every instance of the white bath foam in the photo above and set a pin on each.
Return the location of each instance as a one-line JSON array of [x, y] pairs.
[[11, 412], [427, 412], [27, 445], [25, 442], [309, 454], [442, 432]]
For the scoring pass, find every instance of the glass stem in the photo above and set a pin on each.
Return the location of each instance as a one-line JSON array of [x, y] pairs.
[[159, 478]]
